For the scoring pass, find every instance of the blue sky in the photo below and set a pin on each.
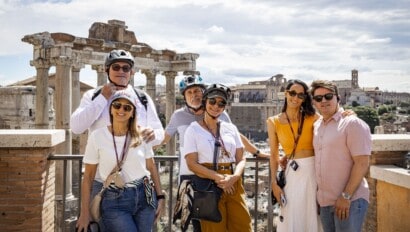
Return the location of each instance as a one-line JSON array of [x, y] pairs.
[[238, 41]]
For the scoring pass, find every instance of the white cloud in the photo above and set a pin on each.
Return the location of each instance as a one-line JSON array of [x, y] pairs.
[[238, 41]]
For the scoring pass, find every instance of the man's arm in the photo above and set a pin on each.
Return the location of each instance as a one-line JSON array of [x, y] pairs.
[[88, 112], [359, 170], [154, 122], [249, 147]]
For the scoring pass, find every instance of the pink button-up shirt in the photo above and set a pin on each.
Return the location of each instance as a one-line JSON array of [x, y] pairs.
[[336, 142]]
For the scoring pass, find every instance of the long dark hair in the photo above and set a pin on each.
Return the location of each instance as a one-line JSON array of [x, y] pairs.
[[307, 106]]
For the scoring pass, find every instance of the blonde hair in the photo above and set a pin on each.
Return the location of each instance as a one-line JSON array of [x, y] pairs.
[[133, 128]]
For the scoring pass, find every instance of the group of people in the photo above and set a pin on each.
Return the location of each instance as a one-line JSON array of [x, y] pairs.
[[326, 154]]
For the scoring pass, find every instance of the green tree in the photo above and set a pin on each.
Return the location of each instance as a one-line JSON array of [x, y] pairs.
[[382, 110], [367, 114]]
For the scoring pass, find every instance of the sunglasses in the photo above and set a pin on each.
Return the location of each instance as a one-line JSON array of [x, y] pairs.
[[117, 67], [294, 93], [328, 96], [126, 107], [212, 101]]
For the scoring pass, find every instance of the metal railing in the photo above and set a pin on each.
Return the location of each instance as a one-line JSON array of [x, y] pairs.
[[169, 181]]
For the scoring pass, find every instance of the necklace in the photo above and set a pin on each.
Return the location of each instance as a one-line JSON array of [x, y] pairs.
[[124, 152]]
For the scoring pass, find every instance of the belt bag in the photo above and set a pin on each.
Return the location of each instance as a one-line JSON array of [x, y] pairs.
[[113, 178]]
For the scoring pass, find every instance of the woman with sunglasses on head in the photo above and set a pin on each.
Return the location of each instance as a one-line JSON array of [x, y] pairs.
[[201, 138], [293, 130], [129, 203]]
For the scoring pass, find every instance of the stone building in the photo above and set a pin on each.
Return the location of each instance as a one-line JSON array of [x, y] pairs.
[[254, 102], [17, 110]]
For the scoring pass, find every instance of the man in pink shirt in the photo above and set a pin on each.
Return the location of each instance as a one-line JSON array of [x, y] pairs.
[[342, 149]]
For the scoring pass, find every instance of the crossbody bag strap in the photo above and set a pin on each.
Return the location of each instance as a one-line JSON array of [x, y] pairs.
[[216, 148], [298, 135], [119, 165]]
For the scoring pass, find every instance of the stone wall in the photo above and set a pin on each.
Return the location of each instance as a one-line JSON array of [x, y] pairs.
[[18, 108], [386, 150]]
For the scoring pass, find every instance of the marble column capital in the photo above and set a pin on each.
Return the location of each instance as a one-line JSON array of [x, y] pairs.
[[170, 74], [62, 60], [149, 72], [41, 63], [98, 67]]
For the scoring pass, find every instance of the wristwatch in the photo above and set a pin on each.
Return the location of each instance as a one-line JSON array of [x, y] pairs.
[[256, 153], [346, 196]]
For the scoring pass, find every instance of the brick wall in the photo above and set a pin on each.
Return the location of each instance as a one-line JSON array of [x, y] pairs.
[[27, 194]]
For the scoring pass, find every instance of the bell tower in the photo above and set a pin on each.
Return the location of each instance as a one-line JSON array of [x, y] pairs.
[[355, 79]]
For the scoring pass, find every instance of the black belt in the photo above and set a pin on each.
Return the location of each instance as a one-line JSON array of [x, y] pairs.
[[220, 167]]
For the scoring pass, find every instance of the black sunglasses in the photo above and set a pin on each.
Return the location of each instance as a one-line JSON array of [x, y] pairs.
[[117, 67], [212, 101], [327, 96], [294, 93], [118, 105]]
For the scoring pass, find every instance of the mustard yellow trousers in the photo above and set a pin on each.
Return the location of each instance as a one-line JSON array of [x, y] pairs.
[[235, 213]]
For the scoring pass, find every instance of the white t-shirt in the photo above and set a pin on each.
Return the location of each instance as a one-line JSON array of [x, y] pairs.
[[100, 150], [198, 139], [179, 122]]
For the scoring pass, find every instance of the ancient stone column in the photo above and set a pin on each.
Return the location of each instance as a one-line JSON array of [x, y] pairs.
[[151, 82], [170, 105], [76, 139], [42, 98], [101, 74], [76, 98], [63, 96]]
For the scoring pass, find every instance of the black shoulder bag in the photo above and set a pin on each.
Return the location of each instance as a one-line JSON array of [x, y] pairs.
[[280, 175], [207, 193]]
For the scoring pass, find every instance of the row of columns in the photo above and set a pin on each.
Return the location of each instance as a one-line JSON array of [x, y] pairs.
[[68, 96]]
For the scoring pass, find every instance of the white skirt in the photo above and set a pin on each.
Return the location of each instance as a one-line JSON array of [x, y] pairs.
[[301, 210]]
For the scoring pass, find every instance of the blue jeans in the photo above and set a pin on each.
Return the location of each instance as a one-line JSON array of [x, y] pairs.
[[127, 210], [357, 213]]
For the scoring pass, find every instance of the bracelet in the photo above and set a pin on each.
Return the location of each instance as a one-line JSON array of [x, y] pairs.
[[256, 153], [159, 197]]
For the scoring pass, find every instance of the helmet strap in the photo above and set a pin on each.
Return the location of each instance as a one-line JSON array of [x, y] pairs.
[[213, 117], [194, 109], [122, 86]]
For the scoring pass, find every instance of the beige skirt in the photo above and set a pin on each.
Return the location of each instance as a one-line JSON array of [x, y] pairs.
[[300, 214]]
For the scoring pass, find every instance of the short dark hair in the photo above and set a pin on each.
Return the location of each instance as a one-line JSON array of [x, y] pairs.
[[324, 84]]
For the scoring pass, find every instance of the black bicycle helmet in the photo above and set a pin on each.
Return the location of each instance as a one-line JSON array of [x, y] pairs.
[[217, 90], [119, 55]]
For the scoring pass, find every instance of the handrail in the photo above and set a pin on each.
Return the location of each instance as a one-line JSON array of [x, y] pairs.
[[158, 159]]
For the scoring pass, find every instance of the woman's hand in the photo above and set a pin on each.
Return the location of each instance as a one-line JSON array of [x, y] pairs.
[[82, 222], [283, 162], [160, 209], [227, 183], [277, 192]]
